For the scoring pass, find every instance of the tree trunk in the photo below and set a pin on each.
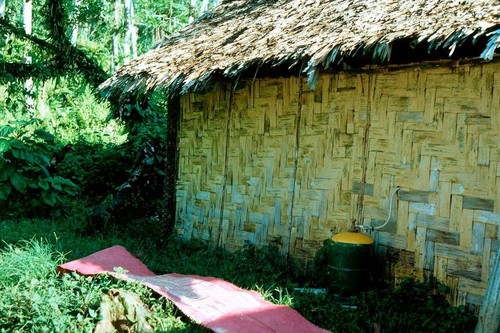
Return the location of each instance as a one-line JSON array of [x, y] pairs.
[[204, 6], [27, 23], [170, 16], [192, 14], [74, 32], [27, 16], [213, 3], [130, 43], [2, 8], [116, 37]]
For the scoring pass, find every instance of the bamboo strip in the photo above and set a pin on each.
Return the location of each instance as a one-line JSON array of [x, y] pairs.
[[490, 310], [299, 164]]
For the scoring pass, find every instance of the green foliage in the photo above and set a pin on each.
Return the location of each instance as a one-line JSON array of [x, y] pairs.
[[69, 109], [122, 180], [147, 144], [26, 183], [92, 56], [158, 19], [12, 102], [276, 295], [427, 311], [264, 268], [67, 235], [35, 299], [98, 168], [130, 177], [26, 262], [410, 307], [67, 120]]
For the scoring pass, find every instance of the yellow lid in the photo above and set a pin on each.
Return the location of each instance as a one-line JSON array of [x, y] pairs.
[[352, 238]]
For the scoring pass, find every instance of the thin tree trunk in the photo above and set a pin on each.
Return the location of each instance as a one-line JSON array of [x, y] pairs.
[[130, 43], [27, 16], [116, 36], [171, 16], [204, 6], [192, 15], [74, 33], [126, 40], [27, 22], [215, 3], [134, 38], [2, 8]]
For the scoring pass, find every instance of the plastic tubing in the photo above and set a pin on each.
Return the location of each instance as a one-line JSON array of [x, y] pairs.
[[388, 214]]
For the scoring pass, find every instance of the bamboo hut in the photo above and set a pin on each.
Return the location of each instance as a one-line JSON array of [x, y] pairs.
[[296, 116]]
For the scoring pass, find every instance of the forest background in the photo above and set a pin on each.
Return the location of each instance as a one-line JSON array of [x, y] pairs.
[[59, 140]]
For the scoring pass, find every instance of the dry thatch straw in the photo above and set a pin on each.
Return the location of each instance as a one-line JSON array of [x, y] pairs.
[[318, 34]]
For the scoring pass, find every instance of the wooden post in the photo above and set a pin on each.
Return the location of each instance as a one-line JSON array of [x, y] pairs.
[[168, 211], [489, 318]]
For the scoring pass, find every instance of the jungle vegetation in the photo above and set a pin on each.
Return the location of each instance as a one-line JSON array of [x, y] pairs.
[[79, 173]]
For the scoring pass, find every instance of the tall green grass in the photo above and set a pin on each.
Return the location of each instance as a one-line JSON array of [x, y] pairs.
[[30, 289], [69, 237], [34, 298]]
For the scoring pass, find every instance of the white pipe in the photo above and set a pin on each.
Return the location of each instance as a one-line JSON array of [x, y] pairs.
[[388, 214]]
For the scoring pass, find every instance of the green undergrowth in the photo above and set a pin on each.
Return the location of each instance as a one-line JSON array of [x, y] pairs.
[[34, 298], [410, 307]]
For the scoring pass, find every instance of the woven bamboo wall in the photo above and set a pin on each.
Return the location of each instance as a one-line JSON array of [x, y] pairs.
[[277, 163]]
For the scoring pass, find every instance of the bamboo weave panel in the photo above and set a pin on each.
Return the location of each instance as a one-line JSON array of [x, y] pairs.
[[296, 161]]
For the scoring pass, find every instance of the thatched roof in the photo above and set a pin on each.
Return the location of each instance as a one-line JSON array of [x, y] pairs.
[[316, 34]]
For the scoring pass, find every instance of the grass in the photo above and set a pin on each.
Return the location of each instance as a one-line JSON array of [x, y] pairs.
[[35, 299]]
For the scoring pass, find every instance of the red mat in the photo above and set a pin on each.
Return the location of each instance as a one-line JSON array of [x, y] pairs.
[[213, 303]]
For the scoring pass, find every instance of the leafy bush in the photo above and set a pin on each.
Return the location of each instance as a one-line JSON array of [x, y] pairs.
[[415, 306], [126, 181], [97, 168], [35, 299], [69, 108], [26, 184], [410, 307]]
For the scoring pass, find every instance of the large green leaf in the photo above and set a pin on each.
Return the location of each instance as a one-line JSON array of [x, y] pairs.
[[6, 130], [44, 135], [31, 157], [56, 183], [45, 171], [17, 144], [41, 159], [49, 198], [19, 182], [44, 184], [6, 170], [22, 154], [5, 190], [4, 145], [63, 184], [71, 189]]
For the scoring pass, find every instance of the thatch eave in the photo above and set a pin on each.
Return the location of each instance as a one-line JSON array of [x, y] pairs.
[[239, 35]]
